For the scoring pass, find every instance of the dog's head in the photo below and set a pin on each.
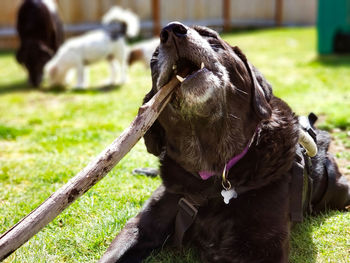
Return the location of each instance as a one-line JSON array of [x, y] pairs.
[[34, 54], [217, 72], [223, 96]]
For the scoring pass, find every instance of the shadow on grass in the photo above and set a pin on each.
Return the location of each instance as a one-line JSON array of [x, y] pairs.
[[23, 86], [96, 89], [334, 60], [19, 86], [302, 247]]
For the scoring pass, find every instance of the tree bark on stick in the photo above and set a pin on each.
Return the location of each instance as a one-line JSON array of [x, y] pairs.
[[88, 177]]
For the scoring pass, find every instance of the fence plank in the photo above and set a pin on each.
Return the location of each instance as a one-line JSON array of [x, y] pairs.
[[156, 17], [226, 14], [279, 12]]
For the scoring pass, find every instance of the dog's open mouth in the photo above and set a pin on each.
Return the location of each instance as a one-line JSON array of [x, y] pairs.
[[185, 69]]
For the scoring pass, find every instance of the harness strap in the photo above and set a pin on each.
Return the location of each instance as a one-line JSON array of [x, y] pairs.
[[300, 190], [296, 188], [184, 219]]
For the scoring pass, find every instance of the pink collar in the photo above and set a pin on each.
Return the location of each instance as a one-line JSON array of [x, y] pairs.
[[206, 174]]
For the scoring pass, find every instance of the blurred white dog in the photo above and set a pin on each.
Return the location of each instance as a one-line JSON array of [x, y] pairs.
[[105, 43]]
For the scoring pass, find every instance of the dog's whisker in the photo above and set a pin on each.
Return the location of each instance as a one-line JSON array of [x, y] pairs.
[[242, 91], [234, 116]]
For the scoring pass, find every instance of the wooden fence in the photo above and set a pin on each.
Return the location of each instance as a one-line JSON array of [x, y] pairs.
[[80, 15]]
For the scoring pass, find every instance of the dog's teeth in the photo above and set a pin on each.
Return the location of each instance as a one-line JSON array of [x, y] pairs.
[[174, 67], [181, 79], [202, 65]]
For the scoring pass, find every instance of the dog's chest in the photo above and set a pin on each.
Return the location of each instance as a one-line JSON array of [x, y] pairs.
[[222, 231], [214, 231], [195, 144]]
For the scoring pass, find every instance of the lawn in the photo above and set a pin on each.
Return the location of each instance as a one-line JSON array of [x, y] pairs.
[[47, 136]]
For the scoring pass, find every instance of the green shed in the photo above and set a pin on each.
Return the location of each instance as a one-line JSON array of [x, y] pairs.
[[333, 26]]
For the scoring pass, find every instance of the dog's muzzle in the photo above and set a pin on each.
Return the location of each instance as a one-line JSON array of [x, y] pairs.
[[172, 30], [184, 53]]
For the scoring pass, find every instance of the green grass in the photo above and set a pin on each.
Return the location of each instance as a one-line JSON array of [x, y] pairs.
[[48, 136]]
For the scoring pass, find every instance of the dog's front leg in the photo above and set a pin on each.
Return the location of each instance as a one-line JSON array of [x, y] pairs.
[[123, 71], [145, 232], [81, 81], [113, 66]]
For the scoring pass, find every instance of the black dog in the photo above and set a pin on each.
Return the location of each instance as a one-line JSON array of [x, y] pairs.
[[224, 134], [41, 33]]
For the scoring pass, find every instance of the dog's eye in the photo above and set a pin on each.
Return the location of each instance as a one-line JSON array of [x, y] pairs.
[[156, 52], [154, 61], [206, 32], [211, 36], [154, 58], [215, 44]]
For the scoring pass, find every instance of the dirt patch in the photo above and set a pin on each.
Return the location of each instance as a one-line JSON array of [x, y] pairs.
[[344, 165]]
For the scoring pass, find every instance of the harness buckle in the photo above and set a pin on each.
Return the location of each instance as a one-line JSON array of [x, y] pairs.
[[187, 207]]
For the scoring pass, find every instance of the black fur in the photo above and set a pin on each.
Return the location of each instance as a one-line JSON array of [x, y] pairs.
[[41, 33], [190, 136]]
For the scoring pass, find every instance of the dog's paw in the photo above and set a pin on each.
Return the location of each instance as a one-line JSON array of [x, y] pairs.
[[111, 83], [108, 83], [123, 80]]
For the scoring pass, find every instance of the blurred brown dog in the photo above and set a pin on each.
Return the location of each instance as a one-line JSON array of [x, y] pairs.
[[143, 51]]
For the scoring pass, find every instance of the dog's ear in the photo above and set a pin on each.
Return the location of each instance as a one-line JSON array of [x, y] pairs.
[[261, 90], [155, 136], [261, 94]]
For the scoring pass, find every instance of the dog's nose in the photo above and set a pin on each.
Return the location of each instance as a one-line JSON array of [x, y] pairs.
[[175, 28]]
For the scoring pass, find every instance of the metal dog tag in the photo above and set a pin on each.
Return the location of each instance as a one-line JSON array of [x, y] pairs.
[[228, 192], [228, 195]]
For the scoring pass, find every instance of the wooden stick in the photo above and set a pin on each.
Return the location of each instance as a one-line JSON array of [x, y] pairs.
[[89, 176]]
